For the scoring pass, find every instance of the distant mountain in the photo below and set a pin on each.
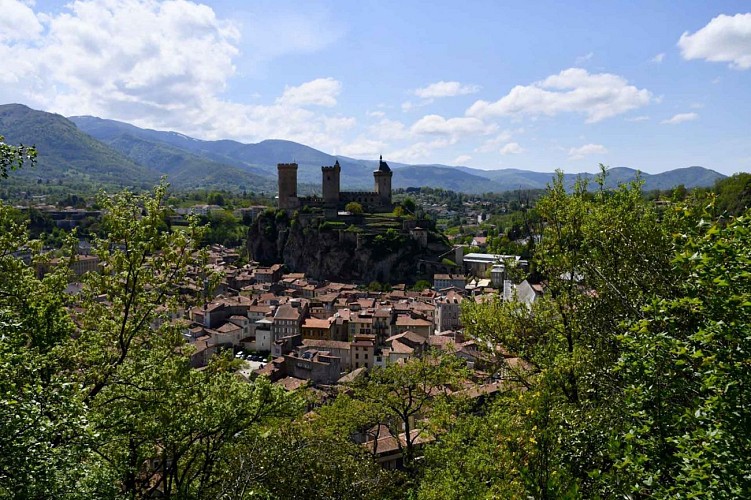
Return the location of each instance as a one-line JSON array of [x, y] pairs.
[[690, 177], [66, 154], [112, 152], [522, 179], [443, 177], [258, 159]]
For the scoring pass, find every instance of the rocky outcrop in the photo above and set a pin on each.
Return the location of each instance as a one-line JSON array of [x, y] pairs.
[[326, 250]]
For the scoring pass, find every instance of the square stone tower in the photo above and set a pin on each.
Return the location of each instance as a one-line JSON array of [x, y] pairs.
[[330, 185], [382, 178], [287, 178]]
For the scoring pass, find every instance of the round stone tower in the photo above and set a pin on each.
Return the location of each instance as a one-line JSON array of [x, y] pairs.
[[330, 184], [383, 183], [287, 176]]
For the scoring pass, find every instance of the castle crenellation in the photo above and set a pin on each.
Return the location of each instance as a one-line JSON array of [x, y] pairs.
[[332, 196]]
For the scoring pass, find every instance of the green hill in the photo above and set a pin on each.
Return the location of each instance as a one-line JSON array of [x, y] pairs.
[[67, 155], [258, 159]]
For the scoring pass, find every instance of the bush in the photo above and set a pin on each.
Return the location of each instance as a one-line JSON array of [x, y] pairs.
[[354, 208]]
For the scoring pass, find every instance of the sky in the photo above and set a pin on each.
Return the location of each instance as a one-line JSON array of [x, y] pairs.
[[540, 85]]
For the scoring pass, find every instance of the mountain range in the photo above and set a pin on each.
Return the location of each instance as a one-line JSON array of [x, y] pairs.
[[115, 153]]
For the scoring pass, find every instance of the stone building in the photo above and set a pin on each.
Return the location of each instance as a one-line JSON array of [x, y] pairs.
[[448, 312], [332, 195]]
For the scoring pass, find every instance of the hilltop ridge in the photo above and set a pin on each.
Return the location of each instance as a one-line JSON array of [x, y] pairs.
[[116, 153]]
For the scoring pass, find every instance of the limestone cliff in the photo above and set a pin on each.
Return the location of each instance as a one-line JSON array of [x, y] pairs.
[[336, 251]]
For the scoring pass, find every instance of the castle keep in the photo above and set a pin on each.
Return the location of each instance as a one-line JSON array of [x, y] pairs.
[[332, 196]]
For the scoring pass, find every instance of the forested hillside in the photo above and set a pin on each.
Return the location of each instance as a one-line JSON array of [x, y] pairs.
[[67, 155]]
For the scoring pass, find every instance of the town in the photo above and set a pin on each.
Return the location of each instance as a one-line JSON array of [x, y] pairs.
[[304, 333]]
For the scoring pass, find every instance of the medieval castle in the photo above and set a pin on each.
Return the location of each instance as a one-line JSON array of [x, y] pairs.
[[333, 197]]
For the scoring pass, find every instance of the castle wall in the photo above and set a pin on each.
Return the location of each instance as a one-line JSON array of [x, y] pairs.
[[332, 196], [365, 198]]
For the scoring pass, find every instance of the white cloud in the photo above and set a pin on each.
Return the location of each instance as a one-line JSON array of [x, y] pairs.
[[640, 118], [658, 58], [376, 114], [318, 92], [18, 21], [584, 58], [494, 143], [161, 65], [599, 96], [418, 151], [461, 159], [409, 105], [512, 148], [362, 147], [445, 89], [724, 39], [680, 118], [108, 58], [586, 150], [453, 127], [389, 130]]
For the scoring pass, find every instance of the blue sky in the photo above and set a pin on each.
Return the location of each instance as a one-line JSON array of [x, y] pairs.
[[486, 84]]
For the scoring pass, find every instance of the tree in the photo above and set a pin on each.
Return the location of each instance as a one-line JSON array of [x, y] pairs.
[[409, 206], [400, 393], [158, 423], [685, 371], [421, 285], [313, 457], [354, 208], [733, 194], [43, 423], [215, 198], [602, 256], [14, 157], [103, 403]]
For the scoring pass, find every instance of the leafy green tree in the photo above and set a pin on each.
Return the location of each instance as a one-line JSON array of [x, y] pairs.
[[422, 285], [215, 198], [402, 395], [679, 193], [225, 229], [313, 457], [686, 374], [14, 157], [354, 208], [603, 257], [733, 194], [158, 423], [43, 424], [105, 404], [409, 205]]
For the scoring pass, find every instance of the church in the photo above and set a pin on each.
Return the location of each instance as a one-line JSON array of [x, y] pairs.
[[332, 196]]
